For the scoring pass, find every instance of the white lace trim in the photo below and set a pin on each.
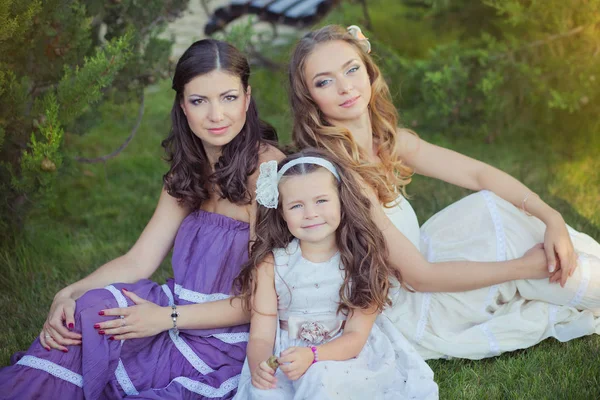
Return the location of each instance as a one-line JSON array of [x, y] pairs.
[[423, 318], [232, 337], [189, 354], [494, 349], [53, 369], [124, 380], [169, 294], [121, 300], [197, 297], [205, 390], [583, 285], [500, 243]]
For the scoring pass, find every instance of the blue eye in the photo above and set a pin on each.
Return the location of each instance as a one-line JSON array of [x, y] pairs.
[[323, 82], [321, 201], [353, 69], [295, 206]]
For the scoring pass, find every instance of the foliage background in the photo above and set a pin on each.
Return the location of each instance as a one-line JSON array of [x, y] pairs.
[[513, 83]]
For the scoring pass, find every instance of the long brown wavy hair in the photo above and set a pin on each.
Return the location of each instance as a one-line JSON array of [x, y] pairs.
[[360, 242], [191, 178], [311, 129]]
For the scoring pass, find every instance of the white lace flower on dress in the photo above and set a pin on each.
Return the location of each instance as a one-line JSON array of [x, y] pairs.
[[313, 332], [267, 193]]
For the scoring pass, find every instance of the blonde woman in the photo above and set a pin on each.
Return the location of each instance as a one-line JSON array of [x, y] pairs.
[[474, 297]]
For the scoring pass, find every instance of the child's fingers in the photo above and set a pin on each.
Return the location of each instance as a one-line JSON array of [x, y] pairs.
[[265, 367], [287, 351], [263, 380], [260, 383]]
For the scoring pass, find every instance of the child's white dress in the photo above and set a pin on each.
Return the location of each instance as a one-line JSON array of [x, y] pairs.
[[387, 368], [489, 321]]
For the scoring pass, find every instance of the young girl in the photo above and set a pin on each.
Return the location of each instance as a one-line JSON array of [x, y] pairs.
[[316, 284], [175, 340], [341, 103]]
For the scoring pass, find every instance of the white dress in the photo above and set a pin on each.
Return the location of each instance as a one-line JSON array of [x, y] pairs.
[[505, 317], [388, 367]]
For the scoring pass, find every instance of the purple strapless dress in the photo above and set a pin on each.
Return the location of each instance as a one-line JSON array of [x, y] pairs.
[[208, 253]]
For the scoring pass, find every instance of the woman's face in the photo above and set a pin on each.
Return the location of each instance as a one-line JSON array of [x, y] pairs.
[[215, 106], [338, 81]]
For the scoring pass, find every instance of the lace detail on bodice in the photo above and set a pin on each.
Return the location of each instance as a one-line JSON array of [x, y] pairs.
[[304, 288]]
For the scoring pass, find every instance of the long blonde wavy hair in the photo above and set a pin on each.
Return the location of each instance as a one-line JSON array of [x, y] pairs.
[[311, 129]]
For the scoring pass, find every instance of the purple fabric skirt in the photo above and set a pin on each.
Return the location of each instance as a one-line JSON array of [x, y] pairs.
[[208, 253]]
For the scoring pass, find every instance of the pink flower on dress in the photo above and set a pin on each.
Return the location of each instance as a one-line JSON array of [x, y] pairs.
[[313, 332]]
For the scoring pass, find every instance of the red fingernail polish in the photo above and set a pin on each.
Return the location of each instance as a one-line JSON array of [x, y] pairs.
[[112, 338], [101, 312], [97, 326], [65, 351], [125, 290], [71, 325], [101, 332]]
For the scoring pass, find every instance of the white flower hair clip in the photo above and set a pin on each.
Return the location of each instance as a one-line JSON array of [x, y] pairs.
[[357, 34], [267, 192]]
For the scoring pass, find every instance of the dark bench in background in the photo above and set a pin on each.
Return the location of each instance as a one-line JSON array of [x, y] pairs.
[[297, 13]]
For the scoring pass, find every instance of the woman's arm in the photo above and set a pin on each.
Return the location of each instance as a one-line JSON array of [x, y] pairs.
[[452, 276], [296, 360], [140, 262], [452, 167]]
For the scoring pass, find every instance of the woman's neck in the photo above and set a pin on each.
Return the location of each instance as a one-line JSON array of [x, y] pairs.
[[213, 154], [320, 251]]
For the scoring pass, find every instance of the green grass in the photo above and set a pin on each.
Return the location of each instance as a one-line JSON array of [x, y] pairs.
[[101, 209]]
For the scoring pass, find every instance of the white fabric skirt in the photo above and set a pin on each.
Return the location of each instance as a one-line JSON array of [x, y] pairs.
[[388, 368], [487, 322]]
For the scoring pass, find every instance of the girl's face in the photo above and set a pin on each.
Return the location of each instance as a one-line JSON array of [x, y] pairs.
[[215, 106], [311, 205], [338, 81]]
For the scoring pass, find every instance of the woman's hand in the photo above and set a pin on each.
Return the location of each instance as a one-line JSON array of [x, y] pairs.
[[54, 334], [294, 361], [536, 262], [559, 250], [142, 320], [263, 377]]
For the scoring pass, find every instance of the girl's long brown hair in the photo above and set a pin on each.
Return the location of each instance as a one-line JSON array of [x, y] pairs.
[[361, 244], [311, 129]]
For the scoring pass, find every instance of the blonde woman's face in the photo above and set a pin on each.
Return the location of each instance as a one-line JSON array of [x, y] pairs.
[[338, 81]]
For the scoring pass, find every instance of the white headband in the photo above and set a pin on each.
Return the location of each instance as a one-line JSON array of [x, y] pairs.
[[267, 192]]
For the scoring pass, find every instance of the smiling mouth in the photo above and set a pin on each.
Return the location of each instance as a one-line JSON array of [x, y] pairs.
[[350, 102], [313, 226], [218, 130]]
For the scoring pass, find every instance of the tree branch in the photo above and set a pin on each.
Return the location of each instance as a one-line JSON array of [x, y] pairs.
[[124, 145]]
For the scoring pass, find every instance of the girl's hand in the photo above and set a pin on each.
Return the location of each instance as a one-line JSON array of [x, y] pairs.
[[536, 263], [557, 242], [54, 334], [294, 361], [263, 377], [142, 320]]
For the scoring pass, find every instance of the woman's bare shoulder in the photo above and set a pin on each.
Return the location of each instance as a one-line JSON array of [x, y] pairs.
[[269, 152]]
